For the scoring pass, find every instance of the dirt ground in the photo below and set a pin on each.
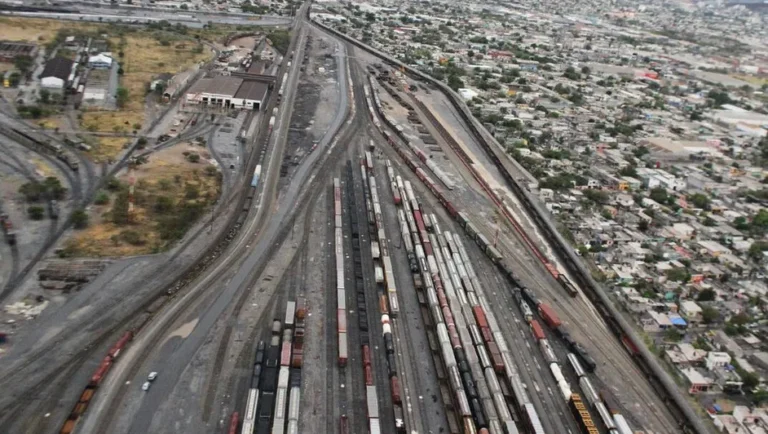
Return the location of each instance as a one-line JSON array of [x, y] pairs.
[[145, 58], [167, 173], [35, 29]]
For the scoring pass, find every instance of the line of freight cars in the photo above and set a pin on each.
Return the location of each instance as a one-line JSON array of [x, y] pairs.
[[612, 419], [341, 298], [567, 285], [522, 398], [382, 245], [44, 144], [387, 273], [469, 349], [95, 381], [371, 400], [575, 403], [274, 365], [478, 237]]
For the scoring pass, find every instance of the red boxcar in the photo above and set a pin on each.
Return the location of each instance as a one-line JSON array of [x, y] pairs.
[[496, 359], [285, 354], [343, 427], [549, 315], [341, 317], [538, 332], [233, 423], [120, 344], [482, 321], [101, 371], [395, 386], [487, 334], [366, 356]]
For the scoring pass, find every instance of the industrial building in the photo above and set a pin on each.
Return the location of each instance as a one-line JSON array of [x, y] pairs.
[[56, 74], [227, 92], [9, 50]]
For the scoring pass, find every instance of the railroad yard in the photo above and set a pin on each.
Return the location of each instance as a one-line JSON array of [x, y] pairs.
[[358, 264]]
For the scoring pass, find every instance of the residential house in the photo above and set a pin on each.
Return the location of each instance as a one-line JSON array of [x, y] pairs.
[[698, 382]]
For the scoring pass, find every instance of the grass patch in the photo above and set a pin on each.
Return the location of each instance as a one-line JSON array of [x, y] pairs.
[[108, 147], [171, 195]]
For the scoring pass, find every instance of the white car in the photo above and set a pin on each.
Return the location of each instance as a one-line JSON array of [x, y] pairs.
[[145, 386], [152, 376]]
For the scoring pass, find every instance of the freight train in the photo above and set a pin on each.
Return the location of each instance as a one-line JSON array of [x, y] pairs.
[[545, 310], [660, 381], [472, 353], [95, 381], [44, 145]]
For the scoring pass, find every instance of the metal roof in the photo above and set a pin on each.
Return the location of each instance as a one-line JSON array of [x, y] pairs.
[[252, 90], [58, 67]]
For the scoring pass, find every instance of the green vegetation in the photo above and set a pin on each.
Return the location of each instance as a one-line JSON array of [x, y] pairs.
[[50, 188], [36, 212], [281, 40], [80, 219]]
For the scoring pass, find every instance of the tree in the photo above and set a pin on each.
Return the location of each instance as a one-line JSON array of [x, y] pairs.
[[706, 295], [642, 226], [121, 96], [36, 212], [102, 198], [119, 212], [659, 194], [699, 200], [709, 315], [760, 221], [679, 275], [672, 335], [370, 17], [750, 380], [585, 70], [32, 191], [454, 82], [756, 250], [740, 319], [23, 63], [45, 96], [80, 219], [741, 223], [54, 188], [597, 196]]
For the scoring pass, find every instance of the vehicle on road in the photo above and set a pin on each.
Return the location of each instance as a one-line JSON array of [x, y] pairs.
[[152, 376], [145, 386]]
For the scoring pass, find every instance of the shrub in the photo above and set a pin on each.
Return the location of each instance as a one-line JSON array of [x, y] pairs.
[[36, 212], [132, 237], [32, 191], [193, 157], [102, 198], [163, 205], [80, 219]]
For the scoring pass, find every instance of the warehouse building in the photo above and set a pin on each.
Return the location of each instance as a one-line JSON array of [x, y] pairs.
[[227, 92], [56, 74]]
